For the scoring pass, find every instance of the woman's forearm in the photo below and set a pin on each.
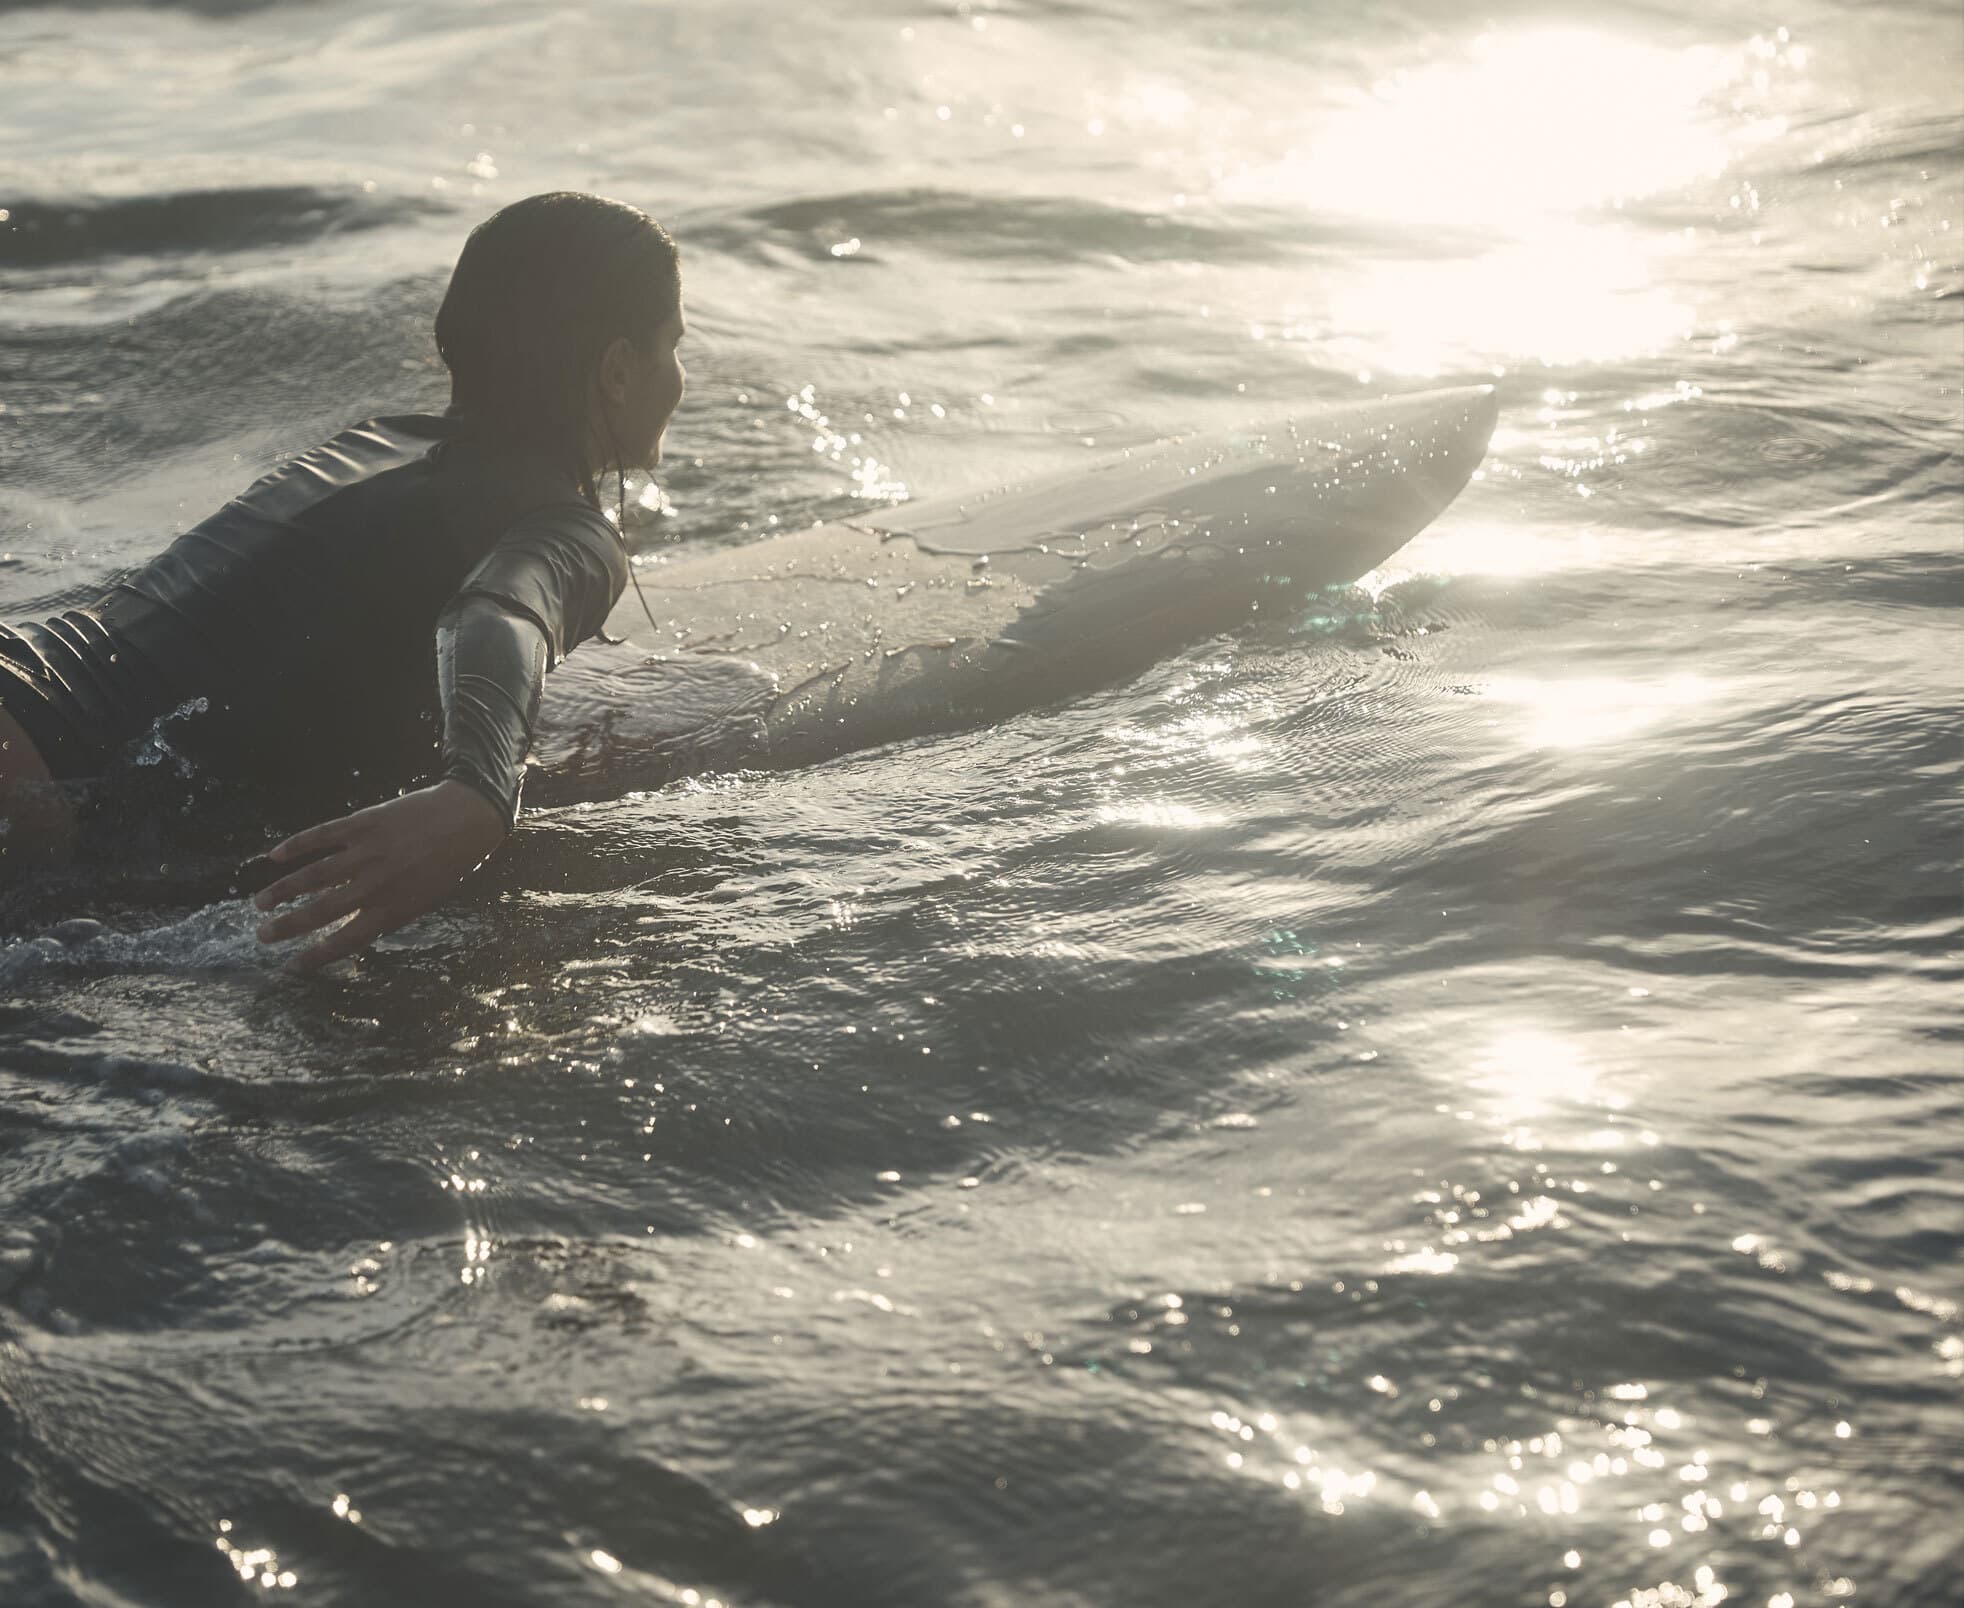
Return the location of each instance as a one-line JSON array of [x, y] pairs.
[[491, 665]]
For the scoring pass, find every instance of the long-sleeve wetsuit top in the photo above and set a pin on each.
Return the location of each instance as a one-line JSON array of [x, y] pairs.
[[376, 613]]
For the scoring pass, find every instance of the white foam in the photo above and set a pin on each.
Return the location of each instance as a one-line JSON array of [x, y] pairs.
[[219, 937]]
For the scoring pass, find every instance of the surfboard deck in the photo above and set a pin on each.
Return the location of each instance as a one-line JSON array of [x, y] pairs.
[[951, 610]]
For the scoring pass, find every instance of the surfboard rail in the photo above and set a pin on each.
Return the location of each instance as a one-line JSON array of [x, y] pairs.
[[958, 609]]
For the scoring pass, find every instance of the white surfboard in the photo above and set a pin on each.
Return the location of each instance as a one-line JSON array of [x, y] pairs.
[[952, 610]]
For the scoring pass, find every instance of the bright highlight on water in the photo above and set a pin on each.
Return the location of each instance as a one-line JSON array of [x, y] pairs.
[[1440, 1088]]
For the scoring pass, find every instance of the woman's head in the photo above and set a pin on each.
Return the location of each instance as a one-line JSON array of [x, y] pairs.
[[559, 330]]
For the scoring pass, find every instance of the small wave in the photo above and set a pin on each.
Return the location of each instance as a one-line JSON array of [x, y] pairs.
[[201, 8], [47, 233], [274, 372], [1878, 139], [864, 226]]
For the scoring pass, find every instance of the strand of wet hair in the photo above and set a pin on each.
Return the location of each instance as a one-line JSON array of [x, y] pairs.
[[620, 530]]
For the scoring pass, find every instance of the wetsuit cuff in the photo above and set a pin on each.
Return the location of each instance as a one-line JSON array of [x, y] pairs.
[[503, 800]]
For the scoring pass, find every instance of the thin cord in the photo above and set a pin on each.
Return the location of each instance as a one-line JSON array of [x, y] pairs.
[[621, 530]]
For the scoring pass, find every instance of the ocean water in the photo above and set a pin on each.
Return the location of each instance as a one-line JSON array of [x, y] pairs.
[[1451, 1098]]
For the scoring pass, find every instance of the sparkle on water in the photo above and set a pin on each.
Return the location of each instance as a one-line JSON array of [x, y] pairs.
[[825, 1171]]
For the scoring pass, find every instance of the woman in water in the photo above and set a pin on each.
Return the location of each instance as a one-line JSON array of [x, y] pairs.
[[373, 620]]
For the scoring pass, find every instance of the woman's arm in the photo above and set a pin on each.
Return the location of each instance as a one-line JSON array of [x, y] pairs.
[[542, 590], [490, 672]]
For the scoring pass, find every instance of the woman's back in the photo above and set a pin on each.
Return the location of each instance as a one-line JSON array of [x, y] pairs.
[[288, 640]]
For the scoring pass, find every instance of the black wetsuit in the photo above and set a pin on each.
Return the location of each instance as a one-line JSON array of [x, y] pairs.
[[374, 614]]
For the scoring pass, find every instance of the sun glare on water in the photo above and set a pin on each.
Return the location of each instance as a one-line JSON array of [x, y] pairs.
[[1523, 126], [1533, 140], [1595, 709], [1529, 1073]]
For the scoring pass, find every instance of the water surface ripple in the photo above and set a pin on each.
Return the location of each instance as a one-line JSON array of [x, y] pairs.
[[1451, 1097]]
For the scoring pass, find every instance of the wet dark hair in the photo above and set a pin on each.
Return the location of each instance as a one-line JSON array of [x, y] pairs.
[[540, 291]]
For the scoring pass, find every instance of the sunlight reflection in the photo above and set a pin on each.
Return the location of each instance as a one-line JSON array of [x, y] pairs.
[[1487, 547], [1594, 709], [260, 1565], [1158, 813], [1567, 293], [1526, 137], [1428, 1262], [1532, 1072], [1219, 736], [1152, 103], [1528, 123]]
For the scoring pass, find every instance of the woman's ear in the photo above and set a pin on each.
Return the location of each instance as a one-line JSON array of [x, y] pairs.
[[617, 368]]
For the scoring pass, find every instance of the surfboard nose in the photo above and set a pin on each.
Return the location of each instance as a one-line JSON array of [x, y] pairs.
[[1376, 474], [1195, 537], [1452, 443]]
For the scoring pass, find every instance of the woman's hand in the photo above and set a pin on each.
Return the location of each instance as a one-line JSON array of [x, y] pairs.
[[385, 866]]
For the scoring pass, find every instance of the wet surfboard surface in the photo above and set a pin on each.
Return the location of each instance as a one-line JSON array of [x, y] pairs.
[[954, 610]]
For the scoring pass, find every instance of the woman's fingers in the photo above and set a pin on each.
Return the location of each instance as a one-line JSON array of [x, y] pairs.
[[342, 942], [375, 869], [310, 878], [328, 835], [317, 912]]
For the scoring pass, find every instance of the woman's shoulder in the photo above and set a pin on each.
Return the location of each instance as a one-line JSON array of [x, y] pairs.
[[352, 457]]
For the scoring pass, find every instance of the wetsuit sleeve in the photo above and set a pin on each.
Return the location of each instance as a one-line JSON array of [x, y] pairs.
[[546, 587], [562, 568], [490, 669]]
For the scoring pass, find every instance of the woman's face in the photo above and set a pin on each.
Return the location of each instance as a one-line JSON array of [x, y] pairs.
[[640, 391]]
